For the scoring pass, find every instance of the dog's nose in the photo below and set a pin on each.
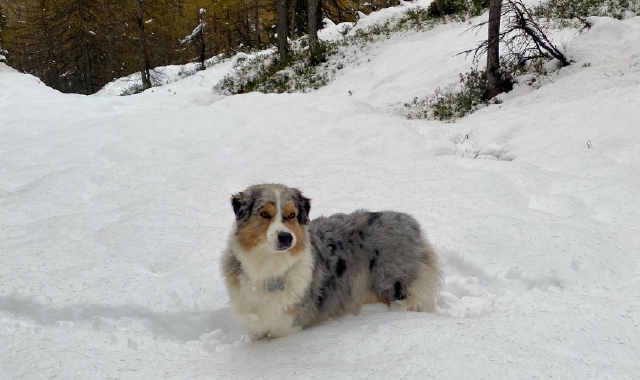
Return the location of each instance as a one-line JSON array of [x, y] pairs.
[[285, 239]]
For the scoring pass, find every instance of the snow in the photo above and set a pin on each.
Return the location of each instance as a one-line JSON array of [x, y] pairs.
[[196, 33], [187, 74], [115, 210]]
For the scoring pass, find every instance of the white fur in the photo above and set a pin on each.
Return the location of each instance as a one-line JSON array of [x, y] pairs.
[[264, 312], [264, 262], [277, 226], [421, 295]]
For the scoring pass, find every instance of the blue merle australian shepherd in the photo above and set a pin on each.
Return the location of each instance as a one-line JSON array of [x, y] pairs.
[[285, 272]]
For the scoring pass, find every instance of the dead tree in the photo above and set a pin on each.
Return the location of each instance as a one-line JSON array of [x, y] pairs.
[[523, 38], [202, 45], [493, 47], [144, 59], [197, 38], [282, 30]]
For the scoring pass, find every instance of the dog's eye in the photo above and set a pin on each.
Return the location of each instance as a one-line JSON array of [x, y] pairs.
[[265, 215], [292, 215]]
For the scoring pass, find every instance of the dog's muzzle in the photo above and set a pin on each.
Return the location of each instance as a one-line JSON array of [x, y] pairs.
[[284, 241]]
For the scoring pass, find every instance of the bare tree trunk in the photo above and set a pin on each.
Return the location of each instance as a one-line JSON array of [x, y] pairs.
[[216, 45], [202, 45], [49, 49], [86, 65], [144, 60], [282, 30], [292, 19], [314, 44], [256, 23], [493, 47], [86, 68], [229, 42]]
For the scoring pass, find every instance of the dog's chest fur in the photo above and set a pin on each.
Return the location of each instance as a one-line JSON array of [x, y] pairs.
[[268, 307]]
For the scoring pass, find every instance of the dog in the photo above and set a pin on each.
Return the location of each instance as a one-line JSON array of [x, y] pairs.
[[285, 272]]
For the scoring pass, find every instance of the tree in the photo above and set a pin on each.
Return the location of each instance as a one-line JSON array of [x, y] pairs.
[[144, 58], [202, 45], [32, 54], [60, 41], [523, 38], [312, 13], [3, 24], [293, 5], [256, 23], [493, 47], [80, 45], [282, 30], [197, 37]]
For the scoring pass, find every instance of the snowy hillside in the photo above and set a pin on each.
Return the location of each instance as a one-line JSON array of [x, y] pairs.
[[114, 212]]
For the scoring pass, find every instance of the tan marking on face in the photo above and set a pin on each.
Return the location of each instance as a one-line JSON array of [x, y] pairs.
[[292, 312], [254, 232], [296, 229]]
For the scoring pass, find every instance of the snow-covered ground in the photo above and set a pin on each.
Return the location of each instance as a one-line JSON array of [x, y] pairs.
[[114, 212]]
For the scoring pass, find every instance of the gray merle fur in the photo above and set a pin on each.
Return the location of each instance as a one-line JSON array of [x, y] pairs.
[[383, 245]]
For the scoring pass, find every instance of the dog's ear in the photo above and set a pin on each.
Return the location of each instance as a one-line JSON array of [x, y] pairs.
[[304, 207], [239, 204]]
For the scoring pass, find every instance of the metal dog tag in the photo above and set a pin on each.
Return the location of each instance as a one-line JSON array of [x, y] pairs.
[[276, 285]]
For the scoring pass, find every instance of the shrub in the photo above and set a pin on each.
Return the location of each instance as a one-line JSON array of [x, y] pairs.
[[264, 73], [566, 12], [459, 100], [472, 8]]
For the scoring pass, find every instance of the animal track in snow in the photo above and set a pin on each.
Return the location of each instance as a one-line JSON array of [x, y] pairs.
[[188, 325]]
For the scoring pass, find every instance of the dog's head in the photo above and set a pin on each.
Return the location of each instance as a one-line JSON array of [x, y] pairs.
[[271, 218]]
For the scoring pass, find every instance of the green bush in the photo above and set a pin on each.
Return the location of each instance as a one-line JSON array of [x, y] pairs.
[[265, 73], [564, 11], [472, 8], [457, 101]]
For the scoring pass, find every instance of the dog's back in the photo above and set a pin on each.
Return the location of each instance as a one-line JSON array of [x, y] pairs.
[[366, 257]]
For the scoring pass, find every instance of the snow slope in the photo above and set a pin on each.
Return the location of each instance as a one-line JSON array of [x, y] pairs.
[[114, 212]]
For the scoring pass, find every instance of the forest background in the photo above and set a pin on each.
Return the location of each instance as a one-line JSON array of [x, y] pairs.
[[78, 46]]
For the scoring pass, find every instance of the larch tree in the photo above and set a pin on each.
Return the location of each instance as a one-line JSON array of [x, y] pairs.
[[312, 14], [81, 45], [3, 23], [282, 30], [142, 41], [256, 23], [293, 18]]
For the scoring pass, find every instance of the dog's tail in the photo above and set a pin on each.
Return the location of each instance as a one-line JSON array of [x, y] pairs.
[[422, 292]]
